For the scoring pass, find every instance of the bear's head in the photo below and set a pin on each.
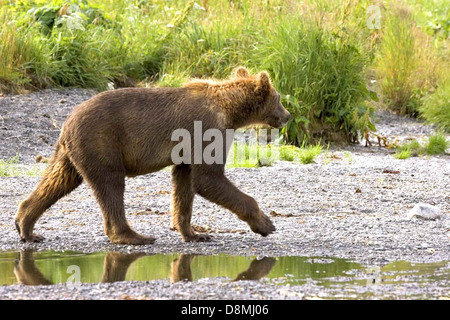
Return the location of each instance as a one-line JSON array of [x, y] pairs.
[[265, 100]]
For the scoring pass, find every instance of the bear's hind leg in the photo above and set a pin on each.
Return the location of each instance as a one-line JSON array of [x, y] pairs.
[[60, 179], [109, 186], [182, 201]]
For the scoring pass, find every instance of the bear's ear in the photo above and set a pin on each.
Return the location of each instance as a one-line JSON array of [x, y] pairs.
[[240, 72], [263, 83]]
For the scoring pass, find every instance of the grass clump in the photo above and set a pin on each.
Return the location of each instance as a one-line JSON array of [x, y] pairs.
[[309, 154], [403, 154], [11, 168], [16, 51], [305, 154], [289, 153], [320, 74], [407, 150], [245, 155], [436, 107], [250, 155], [8, 167], [437, 144]]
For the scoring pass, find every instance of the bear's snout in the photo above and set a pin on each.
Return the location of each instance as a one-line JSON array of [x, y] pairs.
[[285, 117]]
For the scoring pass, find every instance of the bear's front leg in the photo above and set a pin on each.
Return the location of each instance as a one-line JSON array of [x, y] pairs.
[[211, 183], [182, 201]]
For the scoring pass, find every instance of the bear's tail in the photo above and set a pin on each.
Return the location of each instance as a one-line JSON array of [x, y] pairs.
[[60, 179]]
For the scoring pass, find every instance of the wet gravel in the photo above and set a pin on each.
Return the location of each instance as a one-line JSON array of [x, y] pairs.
[[351, 203]]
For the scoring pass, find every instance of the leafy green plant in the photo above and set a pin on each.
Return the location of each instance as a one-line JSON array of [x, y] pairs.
[[305, 154], [289, 153]]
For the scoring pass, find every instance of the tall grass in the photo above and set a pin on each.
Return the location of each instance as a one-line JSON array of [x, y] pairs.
[[397, 60], [318, 53], [16, 51], [407, 65], [436, 107], [321, 76]]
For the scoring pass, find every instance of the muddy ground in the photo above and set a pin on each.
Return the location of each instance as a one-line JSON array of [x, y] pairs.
[[351, 203]]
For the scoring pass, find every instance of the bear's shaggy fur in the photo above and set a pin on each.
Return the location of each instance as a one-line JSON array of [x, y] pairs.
[[127, 132]]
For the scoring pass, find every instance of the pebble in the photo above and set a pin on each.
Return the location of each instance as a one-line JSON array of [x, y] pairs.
[[425, 211]]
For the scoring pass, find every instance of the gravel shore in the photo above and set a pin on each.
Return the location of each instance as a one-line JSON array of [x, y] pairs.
[[351, 203]]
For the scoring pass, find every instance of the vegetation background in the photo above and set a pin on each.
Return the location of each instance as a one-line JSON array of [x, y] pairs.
[[334, 62]]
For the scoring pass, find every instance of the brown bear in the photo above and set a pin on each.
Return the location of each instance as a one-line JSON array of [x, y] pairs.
[[128, 132]]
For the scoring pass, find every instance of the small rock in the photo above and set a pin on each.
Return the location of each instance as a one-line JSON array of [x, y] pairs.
[[425, 211], [62, 101]]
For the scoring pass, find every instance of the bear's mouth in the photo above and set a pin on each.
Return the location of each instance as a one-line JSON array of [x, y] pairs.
[[278, 124]]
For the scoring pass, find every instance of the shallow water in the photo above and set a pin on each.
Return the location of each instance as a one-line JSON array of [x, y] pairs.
[[50, 267]]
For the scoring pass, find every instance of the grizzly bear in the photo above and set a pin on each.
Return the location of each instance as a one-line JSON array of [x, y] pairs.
[[127, 132]]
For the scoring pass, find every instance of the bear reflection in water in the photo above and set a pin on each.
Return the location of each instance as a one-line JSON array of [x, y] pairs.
[[116, 265]]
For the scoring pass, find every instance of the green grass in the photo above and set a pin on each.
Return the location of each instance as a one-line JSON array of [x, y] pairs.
[[320, 54], [408, 62], [244, 155], [406, 150], [289, 153], [436, 107], [403, 154], [437, 144], [309, 154], [8, 167], [320, 74], [11, 168], [397, 60]]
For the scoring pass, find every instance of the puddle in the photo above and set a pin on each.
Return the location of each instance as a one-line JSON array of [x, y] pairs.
[[50, 267]]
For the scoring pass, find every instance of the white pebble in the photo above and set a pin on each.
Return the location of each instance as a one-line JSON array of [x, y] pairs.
[[425, 211]]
